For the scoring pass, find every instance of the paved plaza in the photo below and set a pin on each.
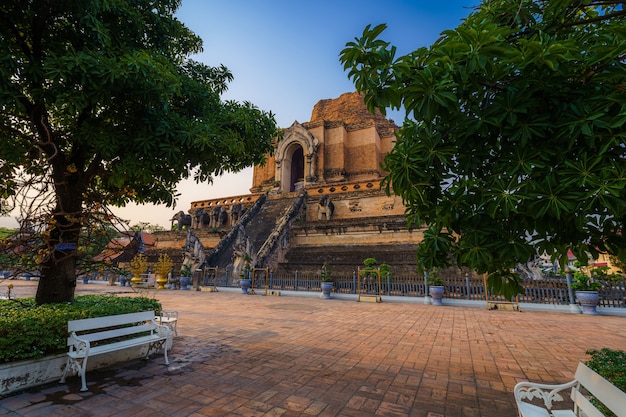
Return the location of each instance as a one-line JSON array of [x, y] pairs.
[[254, 355]]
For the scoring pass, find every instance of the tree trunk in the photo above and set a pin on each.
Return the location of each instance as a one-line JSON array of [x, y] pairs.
[[58, 279], [57, 282]]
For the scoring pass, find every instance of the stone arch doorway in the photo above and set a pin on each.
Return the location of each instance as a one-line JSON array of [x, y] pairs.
[[297, 169], [293, 168], [296, 159]]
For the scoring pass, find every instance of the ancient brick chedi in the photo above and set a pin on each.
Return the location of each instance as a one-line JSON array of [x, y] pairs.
[[343, 142], [317, 199]]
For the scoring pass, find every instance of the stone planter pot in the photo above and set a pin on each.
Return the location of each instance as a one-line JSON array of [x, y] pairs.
[[327, 287], [588, 301], [436, 294], [245, 285], [184, 283]]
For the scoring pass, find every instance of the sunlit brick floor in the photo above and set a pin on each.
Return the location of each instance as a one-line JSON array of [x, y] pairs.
[[252, 355]]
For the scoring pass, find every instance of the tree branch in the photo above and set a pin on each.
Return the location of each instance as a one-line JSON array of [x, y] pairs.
[[609, 16]]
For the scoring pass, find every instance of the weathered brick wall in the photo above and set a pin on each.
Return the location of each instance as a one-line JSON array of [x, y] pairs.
[[357, 204], [352, 142], [263, 176]]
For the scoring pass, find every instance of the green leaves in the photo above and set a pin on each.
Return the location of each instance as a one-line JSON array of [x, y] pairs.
[[505, 283], [102, 103], [122, 99], [517, 143]]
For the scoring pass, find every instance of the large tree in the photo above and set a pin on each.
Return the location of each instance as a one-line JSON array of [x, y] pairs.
[[514, 142], [100, 104]]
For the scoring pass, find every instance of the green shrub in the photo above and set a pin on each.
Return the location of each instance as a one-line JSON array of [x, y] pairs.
[[30, 331], [611, 365]]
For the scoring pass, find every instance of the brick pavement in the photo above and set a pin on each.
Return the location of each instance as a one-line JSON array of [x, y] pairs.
[[242, 355]]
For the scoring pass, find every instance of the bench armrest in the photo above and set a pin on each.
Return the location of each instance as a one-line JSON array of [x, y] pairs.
[[162, 330], [78, 345], [546, 392]]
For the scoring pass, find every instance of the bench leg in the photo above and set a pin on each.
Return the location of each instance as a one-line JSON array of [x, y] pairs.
[[83, 370], [67, 367], [83, 382], [154, 348], [74, 366]]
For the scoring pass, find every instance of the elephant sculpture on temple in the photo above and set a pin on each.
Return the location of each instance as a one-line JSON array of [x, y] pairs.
[[223, 217], [182, 219], [200, 218], [235, 213], [325, 208], [215, 216]]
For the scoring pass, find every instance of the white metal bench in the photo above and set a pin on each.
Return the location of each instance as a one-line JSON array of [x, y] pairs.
[[169, 319], [96, 336], [586, 383]]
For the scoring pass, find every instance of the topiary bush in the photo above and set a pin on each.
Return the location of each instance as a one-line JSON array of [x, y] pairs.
[[30, 331]]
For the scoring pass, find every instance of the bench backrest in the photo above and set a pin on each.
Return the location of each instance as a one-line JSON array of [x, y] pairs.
[[607, 393], [111, 325]]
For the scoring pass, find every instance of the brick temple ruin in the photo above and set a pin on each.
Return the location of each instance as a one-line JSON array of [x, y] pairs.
[[317, 199]]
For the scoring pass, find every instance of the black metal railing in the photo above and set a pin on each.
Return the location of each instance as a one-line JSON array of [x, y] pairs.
[[543, 291]]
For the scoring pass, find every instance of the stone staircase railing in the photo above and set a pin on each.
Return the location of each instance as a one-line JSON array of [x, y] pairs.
[[231, 236], [282, 226]]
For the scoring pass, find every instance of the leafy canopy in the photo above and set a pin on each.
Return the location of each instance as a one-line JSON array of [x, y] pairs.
[[514, 138], [105, 90], [101, 104]]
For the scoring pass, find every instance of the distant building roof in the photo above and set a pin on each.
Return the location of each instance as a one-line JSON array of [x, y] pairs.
[[124, 248]]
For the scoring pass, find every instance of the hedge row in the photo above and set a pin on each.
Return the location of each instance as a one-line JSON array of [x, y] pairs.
[[30, 331]]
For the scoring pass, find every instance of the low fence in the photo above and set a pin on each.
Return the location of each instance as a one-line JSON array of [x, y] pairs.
[[543, 291]]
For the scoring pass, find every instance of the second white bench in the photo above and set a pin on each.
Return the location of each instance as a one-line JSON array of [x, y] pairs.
[[169, 319]]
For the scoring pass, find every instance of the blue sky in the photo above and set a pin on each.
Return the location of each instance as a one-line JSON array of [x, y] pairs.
[[284, 55]]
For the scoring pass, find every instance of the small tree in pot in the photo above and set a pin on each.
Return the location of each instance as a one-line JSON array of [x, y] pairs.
[[436, 287], [185, 276], [326, 282], [586, 292]]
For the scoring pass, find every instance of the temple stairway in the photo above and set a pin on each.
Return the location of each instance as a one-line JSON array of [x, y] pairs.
[[260, 227]]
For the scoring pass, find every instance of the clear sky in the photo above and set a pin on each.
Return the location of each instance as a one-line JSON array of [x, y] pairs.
[[284, 55]]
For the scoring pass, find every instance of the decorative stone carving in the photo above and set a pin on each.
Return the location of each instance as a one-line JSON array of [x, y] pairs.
[[388, 205], [355, 206], [235, 212], [325, 208], [193, 252], [200, 218]]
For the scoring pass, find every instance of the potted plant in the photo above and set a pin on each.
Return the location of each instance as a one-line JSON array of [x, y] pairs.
[[244, 276], [138, 266], [586, 292], [185, 276], [369, 279], [163, 268], [436, 287], [326, 283]]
